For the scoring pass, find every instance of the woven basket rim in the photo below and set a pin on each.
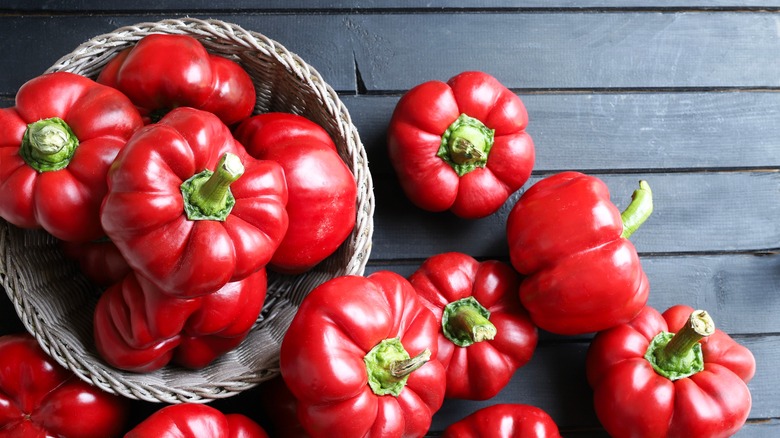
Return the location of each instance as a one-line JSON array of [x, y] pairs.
[[133, 385]]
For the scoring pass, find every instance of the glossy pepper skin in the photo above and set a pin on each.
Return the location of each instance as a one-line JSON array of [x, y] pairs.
[[194, 420], [138, 327], [460, 145], [632, 398], [39, 398], [178, 214], [505, 420], [570, 242], [360, 358], [485, 333], [162, 72], [56, 145], [322, 191]]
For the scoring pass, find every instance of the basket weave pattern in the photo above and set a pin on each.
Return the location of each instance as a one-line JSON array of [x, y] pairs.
[[55, 301]]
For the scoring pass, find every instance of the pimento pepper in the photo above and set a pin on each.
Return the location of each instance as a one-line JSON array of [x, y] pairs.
[[56, 145], [460, 145], [582, 273], [360, 358], [138, 327], [671, 375], [505, 420], [193, 420], [485, 333], [322, 192], [189, 209], [40, 398], [162, 72]]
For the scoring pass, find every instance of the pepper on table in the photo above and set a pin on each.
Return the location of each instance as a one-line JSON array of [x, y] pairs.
[[194, 420], [360, 358], [461, 145], [504, 420], [672, 375], [582, 274], [485, 333]]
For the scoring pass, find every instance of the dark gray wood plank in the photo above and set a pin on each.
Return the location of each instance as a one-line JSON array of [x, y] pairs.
[[569, 50], [31, 44], [639, 131], [694, 212], [304, 5], [524, 50], [736, 289], [618, 132], [761, 429]]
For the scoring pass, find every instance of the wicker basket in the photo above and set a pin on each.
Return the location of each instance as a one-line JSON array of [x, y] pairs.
[[55, 301]]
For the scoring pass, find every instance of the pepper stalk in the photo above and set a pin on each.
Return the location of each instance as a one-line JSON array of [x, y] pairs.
[[207, 194], [48, 144], [389, 365], [466, 321], [465, 144], [676, 356], [638, 211]]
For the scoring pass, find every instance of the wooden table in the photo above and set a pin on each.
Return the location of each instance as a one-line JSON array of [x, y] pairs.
[[684, 95]]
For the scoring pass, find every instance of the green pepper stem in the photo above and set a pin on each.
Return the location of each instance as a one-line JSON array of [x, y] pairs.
[[48, 144], [207, 194], [637, 212], [388, 366], [403, 368], [466, 321], [676, 356], [700, 325], [465, 144]]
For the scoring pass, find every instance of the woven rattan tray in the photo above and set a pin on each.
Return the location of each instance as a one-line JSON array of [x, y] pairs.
[[55, 301]]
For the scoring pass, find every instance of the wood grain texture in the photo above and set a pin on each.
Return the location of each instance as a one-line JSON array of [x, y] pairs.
[[433, 5], [523, 50], [25, 53], [569, 50], [694, 212], [601, 132], [681, 93], [729, 286]]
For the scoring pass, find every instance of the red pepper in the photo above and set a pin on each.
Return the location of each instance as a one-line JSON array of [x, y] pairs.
[[461, 145], [40, 398], [137, 327], [505, 420], [360, 357], [189, 209], [162, 72], [582, 273], [485, 335], [322, 191], [99, 260], [193, 420], [670, 375], [56, 145]]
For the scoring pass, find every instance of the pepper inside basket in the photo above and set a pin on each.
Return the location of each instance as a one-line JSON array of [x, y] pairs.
[[56, 302]]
